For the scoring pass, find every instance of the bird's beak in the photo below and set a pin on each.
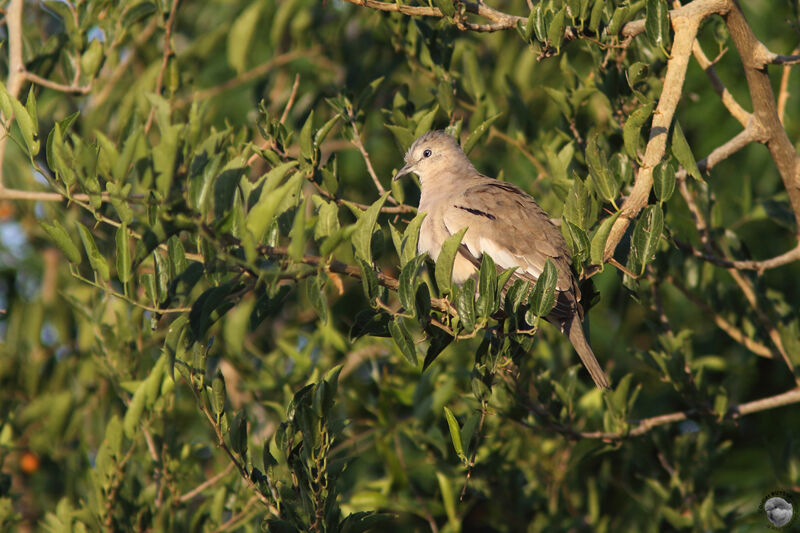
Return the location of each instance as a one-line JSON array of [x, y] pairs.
[[403, 171]]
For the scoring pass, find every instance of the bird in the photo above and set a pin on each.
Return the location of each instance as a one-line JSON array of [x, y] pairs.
[[503, 221]]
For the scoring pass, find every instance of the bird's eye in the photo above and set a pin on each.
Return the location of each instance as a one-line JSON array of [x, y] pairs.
[[426, 153]]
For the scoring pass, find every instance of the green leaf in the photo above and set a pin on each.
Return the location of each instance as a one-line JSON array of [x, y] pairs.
[[598, 243], [218, 394], [407, 284], [264, 211], [577, 240], [365, 227], [620, 17], [426, 121], [555, 32], [297, 235], [683, 153], [543, 297], [327, 218], [369, 281], [404, 136], [238, 433], [402, 338], [455, 434], [32, 108], [479, 132], [240, 36], [446, 7], [96, 259], [449, 501], [123, 254], [604, 180], [465, 305], [596, 15], [306, 142], [444, 263], [62, 239], [315, 292], [561, 101], [637, 73], [136, 13], [27, 126], [631, 132], [664, 180], [487, 303], [577, 208], [539, 26], [409, 242], [657, 24], [646, 237], [439, 340], [133, 415]]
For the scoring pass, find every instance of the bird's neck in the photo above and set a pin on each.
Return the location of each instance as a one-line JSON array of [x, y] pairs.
[[437, 186]]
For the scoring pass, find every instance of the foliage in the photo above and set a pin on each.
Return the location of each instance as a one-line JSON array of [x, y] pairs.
[[216, 318]]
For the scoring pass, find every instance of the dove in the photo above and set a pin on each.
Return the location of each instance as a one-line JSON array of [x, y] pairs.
[[502, 221]]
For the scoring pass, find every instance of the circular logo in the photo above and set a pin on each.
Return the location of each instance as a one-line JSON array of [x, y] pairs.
[[778, 508]]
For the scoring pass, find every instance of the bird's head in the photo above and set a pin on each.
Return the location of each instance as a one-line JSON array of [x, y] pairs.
[[433, 153]]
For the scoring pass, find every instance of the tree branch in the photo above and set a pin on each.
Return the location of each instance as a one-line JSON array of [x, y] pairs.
[[164, 60], [502, 21], [783, 92], [16, 68], [733, 332], [640, 427], [738, 112], [752, 53], [252, 74], [685, 33]]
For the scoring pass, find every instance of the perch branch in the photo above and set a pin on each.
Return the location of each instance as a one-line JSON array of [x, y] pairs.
[[685, 32]]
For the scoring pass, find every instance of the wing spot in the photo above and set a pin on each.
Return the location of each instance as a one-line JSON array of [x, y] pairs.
[[477, 212]]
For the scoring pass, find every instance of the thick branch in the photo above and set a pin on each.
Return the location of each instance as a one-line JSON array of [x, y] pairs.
[[753, 53], [685, 33], [16, 67]]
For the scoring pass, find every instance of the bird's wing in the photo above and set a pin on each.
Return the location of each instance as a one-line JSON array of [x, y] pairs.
[[507, 224]]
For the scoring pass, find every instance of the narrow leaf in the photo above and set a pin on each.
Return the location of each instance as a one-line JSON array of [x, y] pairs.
[[365, 227], [543, 297], [123, 254], [598, 243], [444, 263], [62, 239], [632, 129], [455, 433], [96, 259], [402, 338], [683, 153], [479, 132]]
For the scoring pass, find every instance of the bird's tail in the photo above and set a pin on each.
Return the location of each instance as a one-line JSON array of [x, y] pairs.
[[574, 331]]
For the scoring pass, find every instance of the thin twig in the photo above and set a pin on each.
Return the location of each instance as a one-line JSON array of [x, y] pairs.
[[210, 482], [247, 76], [44, 82], [289, 103], [733, 332], [122, 67], [360, 145], [783, 92], [737, 111], [164, 60]]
